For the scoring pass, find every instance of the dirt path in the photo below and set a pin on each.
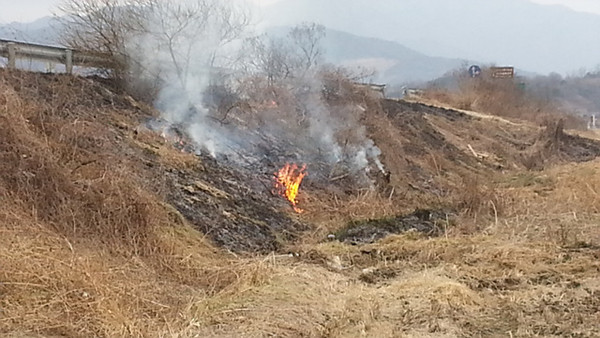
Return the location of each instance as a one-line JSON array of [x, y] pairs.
[[469, 112]]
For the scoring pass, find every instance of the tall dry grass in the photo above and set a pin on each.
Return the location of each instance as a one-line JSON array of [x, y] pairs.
[[504, 98], [88, 247]]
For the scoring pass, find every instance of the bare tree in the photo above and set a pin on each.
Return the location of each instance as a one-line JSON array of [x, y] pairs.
[[102, 26], [282, 58], [195, 32], [267, 56], [306, 39], [136, 33]]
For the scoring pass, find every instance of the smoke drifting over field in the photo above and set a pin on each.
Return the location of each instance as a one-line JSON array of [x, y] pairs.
[[187, 50]]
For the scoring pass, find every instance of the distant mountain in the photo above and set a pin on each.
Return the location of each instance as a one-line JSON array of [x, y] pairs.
[[392, 62], [44, 31], [531, 36]]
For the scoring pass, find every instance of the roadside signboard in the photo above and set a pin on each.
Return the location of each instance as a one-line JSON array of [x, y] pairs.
[[503, 72]]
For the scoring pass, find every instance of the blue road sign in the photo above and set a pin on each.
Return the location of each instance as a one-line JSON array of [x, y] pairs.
[[474, 71]]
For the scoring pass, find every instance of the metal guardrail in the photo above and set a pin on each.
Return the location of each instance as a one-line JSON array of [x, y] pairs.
[[379, 88], [12, 50]]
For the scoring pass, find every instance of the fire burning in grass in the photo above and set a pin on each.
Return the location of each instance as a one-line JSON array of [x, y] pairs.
[[287, 183]]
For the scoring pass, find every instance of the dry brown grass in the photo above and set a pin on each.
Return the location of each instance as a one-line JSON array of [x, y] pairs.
[[478, 286], [559, 205], [469, 286], [504, 98], [90, 249], [156, 145], [108, 206], [331, 213], [53, 286]]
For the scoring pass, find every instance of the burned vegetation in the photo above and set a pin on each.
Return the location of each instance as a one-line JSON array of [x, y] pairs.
[[235, 208], [127, 213], [430, 223], [403, 152]]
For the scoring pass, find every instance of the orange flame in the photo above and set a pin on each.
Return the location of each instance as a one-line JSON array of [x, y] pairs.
[[287, 183]]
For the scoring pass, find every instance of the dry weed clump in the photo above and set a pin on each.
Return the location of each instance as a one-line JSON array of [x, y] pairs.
[[577, 188], [53, 286], [502, 97], [109, 207], [333, 213], [559, 205], [476, 198], [421, 287], [470, 286], [88, 247]]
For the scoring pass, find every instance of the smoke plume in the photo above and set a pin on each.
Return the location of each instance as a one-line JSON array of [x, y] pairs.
[[184, 50]]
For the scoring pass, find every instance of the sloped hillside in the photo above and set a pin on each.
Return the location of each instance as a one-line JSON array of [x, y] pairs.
[[87, 190], [114, 227]]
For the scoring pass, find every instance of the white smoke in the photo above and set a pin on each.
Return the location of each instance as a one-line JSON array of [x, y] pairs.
[[322, 124], [360, 160], [373, 153], [184, 42], [180, 51]]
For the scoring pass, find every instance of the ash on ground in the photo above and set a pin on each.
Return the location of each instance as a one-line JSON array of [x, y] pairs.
[[425, 221]]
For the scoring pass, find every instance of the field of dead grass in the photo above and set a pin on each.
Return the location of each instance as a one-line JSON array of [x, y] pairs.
[[500, 99], [89, 248]]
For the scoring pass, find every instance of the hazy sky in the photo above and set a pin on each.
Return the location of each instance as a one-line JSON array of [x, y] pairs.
[[29, 10], [592, 6]]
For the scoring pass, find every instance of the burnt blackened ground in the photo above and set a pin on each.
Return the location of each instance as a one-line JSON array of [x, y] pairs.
[[421, 108], [553, 145], [428, 222], [571, 148], [231, 201], [236, 209], [420, 137]]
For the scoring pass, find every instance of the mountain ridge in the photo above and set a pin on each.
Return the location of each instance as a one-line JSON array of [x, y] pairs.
[[394, 63], [528, 35]]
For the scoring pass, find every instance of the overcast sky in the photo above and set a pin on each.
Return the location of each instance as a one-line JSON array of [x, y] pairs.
[[29, 10], [592, 6]]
